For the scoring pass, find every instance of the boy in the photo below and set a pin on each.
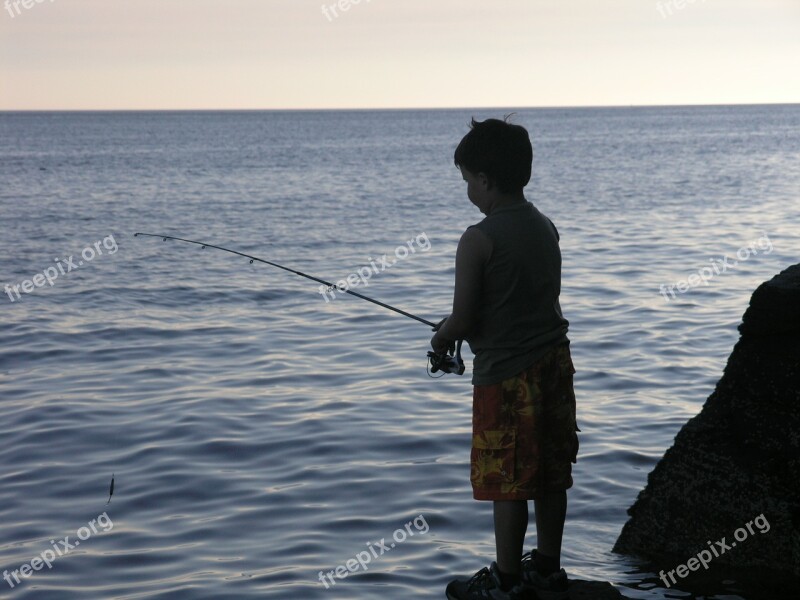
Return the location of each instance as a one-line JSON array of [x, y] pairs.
[[507, 284]]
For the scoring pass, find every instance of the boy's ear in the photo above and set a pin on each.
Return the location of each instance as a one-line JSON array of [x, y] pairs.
[[485, 182]]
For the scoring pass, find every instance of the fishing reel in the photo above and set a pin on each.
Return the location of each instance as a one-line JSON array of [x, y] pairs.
[[446, 362]]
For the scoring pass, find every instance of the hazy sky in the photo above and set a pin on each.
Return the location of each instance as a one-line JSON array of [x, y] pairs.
[[109, 54]]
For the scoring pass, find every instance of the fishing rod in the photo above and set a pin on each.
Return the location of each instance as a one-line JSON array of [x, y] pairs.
[[446, 363]]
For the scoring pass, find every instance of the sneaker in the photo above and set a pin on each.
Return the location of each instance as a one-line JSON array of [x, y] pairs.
[[552, 587], [485, 585]]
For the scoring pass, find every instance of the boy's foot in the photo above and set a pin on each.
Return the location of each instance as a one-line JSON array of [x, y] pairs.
[[552, 586], [485, 585]]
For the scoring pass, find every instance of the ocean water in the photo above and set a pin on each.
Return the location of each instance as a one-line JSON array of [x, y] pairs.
[[259, 434]]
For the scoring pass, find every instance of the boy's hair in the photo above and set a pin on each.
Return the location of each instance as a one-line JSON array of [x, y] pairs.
[[499, 149]]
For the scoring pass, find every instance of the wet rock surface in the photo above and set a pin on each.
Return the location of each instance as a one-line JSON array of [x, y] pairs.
[[592, 590]]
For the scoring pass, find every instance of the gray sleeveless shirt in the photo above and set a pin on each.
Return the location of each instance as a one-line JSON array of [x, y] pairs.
[[519, 317]]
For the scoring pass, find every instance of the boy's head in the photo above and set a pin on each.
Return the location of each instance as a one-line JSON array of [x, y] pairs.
[[499, 151]]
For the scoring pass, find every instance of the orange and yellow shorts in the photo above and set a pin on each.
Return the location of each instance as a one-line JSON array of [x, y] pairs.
[[524, 438]]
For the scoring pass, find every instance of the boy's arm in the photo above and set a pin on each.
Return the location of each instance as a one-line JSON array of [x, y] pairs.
[[473, 253]]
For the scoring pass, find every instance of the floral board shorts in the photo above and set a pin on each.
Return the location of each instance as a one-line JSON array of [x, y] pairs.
[[524, 438]]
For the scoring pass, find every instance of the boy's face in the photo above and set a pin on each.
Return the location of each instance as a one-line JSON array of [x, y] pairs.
[[477, 188]]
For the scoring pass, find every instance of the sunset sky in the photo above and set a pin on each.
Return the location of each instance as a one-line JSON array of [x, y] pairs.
[[252, 54]]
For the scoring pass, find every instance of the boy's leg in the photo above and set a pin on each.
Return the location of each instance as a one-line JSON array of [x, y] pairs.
[[510, 525], [559, 449], [551, 512]]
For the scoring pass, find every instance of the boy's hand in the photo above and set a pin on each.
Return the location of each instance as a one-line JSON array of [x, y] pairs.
[[441, 345]]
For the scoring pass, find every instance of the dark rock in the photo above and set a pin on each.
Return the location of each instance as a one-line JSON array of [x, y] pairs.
[[738, 459], [593, 590]]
